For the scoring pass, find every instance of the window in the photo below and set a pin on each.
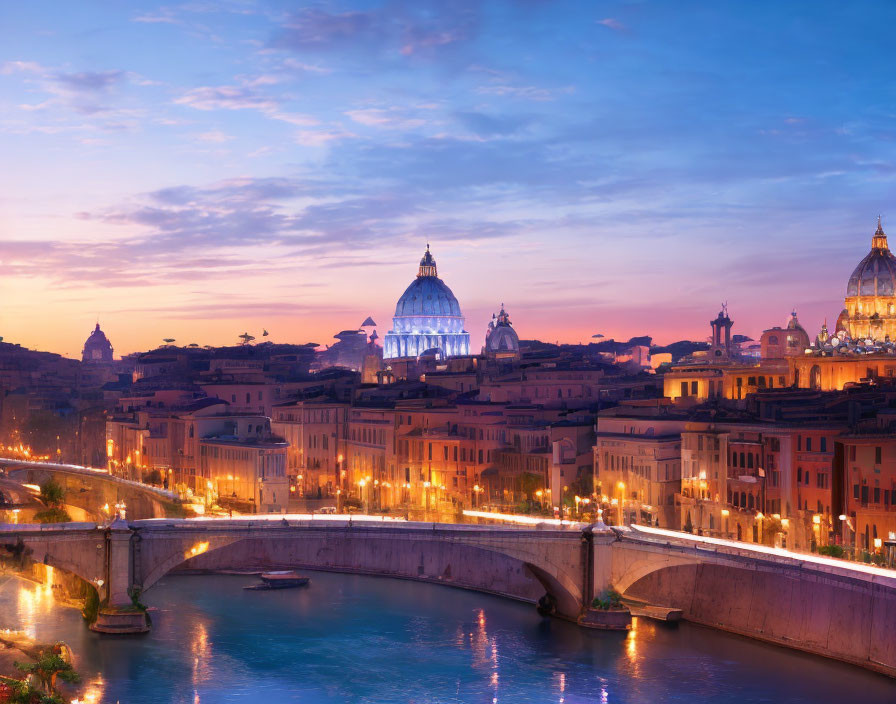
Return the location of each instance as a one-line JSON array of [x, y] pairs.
[[693, 388], [877, 455], [684, 388], [824, 444], [808, 444]]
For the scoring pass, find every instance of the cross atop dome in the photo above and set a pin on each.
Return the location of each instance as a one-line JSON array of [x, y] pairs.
[[427, 264]]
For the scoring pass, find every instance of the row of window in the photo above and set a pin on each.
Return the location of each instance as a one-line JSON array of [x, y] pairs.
[[874, 495]]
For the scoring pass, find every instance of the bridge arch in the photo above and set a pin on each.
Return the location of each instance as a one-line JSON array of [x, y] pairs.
[[454, 558], [80, 553]]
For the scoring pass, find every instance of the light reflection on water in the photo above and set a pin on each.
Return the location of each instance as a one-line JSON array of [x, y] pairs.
[[367, 640]]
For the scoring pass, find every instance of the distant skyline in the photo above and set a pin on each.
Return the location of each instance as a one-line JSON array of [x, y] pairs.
[[195, 170]]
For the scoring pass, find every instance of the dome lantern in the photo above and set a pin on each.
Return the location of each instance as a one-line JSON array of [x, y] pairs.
[[428, 265], [879, 239]]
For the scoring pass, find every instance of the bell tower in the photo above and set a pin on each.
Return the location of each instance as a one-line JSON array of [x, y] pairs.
[[721, 335]]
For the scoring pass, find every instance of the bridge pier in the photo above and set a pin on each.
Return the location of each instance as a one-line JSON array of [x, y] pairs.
[[118, 613]]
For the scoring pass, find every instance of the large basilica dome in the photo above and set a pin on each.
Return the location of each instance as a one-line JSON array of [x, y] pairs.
[[427, 317], [97, 348], [870, 305]]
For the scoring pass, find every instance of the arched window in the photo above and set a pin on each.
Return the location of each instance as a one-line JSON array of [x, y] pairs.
[[815, 378]]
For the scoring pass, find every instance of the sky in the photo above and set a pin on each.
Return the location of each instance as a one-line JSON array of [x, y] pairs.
[[196, 170]]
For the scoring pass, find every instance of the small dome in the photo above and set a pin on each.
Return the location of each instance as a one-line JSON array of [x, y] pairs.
[[500, 336], [794, 323], [876, 273]]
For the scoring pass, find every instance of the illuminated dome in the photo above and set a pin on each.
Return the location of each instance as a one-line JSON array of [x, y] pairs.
[[870, 310], [427, 295], [427, 317], [876, 273]]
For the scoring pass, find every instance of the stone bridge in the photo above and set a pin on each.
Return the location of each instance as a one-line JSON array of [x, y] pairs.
[[92, 489], [812, 603]]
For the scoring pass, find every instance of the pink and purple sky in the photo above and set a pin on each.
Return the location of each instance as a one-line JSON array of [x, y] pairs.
[[193, 170]]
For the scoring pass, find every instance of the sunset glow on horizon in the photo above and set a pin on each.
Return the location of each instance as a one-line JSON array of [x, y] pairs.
[[197, 170]]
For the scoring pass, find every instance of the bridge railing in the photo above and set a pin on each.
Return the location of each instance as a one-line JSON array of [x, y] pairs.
[[91, 472], [733, 547], [296, 520]]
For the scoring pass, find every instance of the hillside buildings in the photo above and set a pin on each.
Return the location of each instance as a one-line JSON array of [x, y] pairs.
[[790, 441]]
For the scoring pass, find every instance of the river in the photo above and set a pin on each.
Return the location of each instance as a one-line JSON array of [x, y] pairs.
[[367, 640]]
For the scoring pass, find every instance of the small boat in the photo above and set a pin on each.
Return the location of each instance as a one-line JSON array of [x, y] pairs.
[[282, 579]]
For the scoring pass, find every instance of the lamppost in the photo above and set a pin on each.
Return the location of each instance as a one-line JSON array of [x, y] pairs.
[[759, 518], [725, 514], [476, 498], [621, 487], [816, 531], [361, 484], [340, 488]]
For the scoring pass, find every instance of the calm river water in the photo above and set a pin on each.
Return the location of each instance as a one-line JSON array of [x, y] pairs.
[[367, 640]]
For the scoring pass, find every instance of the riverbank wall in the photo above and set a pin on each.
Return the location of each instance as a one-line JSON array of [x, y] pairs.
[[851, 619]]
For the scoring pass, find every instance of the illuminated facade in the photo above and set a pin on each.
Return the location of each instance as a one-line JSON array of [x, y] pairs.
[[870, 305], [427, 318], [721, 373]]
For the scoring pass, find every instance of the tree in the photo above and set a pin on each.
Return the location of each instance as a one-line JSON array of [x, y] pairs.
[[49, 668], [52, 494], [25, 693], [530, 483]]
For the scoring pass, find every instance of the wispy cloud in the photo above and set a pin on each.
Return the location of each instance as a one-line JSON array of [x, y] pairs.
[[613, 24]]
